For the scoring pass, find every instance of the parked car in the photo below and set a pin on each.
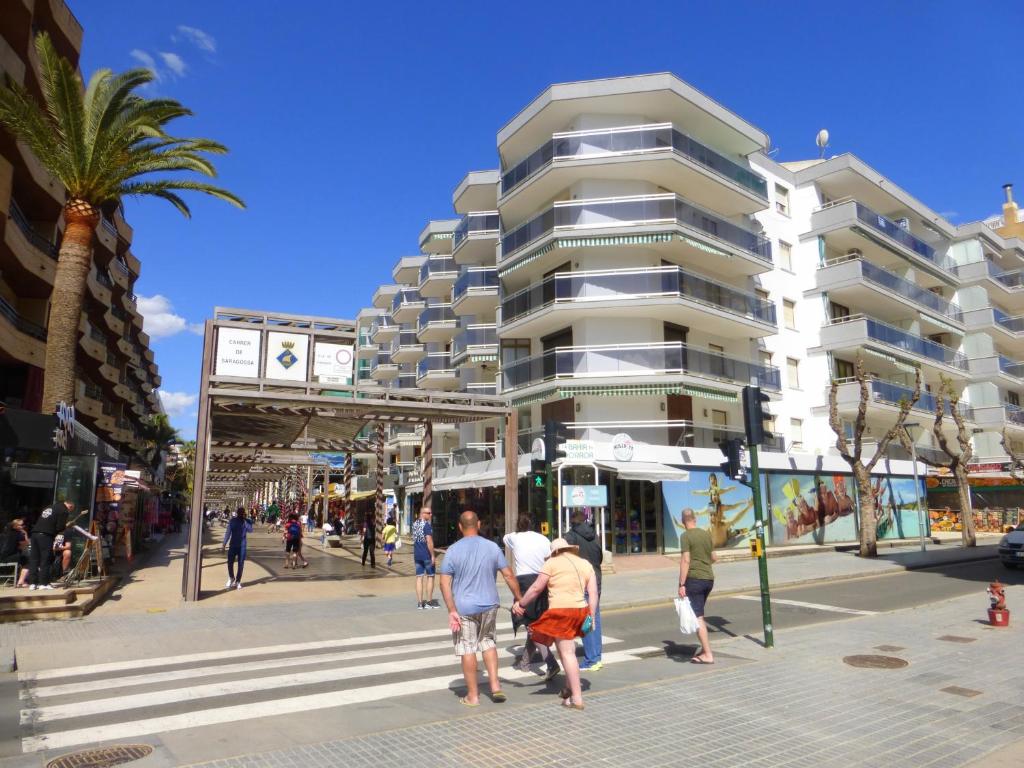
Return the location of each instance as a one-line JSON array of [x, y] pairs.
[[1011, 547]]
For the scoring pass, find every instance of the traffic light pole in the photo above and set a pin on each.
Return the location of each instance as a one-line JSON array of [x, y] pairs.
[[762, 555], [549, 502]]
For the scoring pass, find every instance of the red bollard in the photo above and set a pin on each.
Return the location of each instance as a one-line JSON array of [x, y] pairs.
[[998, 613]]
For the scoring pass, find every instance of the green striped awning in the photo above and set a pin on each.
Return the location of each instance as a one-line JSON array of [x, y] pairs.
[[903, 365], [708, 393], [587, 242], [623, 390], [530, 399], [703, 246], [526, 259], [483, 358]]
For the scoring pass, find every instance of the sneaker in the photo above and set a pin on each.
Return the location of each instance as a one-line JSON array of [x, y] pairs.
[[238, 585], [597, 666], [551, 673], [47, 586], [432, 607], [230, 584], [32, 586], [420, 606]]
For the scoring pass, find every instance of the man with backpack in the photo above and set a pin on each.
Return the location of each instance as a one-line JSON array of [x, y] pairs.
[[293, 543]]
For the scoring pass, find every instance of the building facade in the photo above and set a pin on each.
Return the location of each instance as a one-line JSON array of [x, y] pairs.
[[639, 257]]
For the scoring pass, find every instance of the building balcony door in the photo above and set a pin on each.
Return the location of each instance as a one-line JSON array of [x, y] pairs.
[[678, 408]]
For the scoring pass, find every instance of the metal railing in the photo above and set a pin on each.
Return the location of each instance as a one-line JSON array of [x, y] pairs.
[[383, 357], [633, 211], [476, 222], [609, 142], [439, 314], [901, 339], [895, 232], [1014, 324], [435, 362], [482, 337], [404, 298], [1011, 367], [19, 322], [627, 284], [437, 266], [40, 242], [895, 394], [669, 358], [405, 338], [890, 280], [482, 388], [382, 323], [109, 225], [1014, 413], [104, 279], [475, 279]]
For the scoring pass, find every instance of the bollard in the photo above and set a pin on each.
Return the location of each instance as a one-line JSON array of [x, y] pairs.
[[998, 613]]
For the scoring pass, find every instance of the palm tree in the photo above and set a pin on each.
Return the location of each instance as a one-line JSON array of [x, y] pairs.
[[159, 435], [102, 144]]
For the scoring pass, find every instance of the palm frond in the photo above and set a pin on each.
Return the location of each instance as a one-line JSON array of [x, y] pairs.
[[62, 91]]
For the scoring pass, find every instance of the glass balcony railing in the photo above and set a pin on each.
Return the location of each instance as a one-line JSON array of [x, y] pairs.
[[404, 298], [437, 314], [635, 360], [104, 279], [895, 232], [383, 357], [894, 394], [436, 266], [475, 223], [634, 211], [19, 322], [437, 363], [481, 388], [1012, 324], [632, 140], [901, 339], [912, 291], [406, 381], [475, 279], [475, 337], [382, 324], [1011, 367], [405, 339], [1014, 279], [626, 284], [40, 242]]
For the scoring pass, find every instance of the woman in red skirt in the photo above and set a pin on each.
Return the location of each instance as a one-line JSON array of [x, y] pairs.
[[567, 577]]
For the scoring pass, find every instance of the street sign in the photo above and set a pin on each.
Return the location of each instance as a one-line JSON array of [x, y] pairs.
[[584, 496], [579, 451]]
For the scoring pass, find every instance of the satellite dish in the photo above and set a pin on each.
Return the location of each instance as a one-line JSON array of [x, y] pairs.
[[822, 141]]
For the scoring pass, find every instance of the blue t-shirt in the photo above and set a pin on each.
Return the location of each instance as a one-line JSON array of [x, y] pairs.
[[473, 563], [420, 530]]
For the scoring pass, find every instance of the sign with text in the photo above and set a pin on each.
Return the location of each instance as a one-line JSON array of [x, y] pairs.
[[287, 356], [584, 496], [332, 363], [238, 353], [578, 451]]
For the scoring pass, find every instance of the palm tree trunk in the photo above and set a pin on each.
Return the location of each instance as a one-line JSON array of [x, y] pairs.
[[73, 265]]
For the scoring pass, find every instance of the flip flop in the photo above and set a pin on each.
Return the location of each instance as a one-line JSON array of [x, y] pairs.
[[699, 660], [499, 697], [467, 703]]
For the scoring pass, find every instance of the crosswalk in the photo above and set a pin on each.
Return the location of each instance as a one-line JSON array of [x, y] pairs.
[[72, 706]]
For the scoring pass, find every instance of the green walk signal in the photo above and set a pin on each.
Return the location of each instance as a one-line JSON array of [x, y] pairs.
[[538, 481]]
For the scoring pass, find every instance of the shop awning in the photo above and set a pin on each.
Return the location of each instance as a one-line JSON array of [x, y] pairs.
[[478, 475], [644, 470]]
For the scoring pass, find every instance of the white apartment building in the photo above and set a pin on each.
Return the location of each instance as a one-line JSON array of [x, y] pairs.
[[638, 258]]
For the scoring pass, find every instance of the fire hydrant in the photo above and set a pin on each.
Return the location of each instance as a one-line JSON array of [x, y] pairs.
[[998, 614]]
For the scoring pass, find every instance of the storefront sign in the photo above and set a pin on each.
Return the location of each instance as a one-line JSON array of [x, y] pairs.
[[65, 429], [578, 451], [584, 496], [332, 363], [238, 353], [622, 447], [287, 356]]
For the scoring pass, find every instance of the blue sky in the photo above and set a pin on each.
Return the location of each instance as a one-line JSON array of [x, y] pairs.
[[351, 123]]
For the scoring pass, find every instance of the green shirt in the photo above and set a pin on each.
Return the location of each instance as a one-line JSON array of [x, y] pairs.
[[697, 541]]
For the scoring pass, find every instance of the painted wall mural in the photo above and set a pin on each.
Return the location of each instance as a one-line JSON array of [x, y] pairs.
[[724, 506]]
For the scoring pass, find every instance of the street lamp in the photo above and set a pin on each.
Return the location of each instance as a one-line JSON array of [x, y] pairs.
[[917, 484]]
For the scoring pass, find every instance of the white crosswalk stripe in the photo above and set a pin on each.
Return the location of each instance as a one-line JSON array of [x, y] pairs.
[[62, 711]]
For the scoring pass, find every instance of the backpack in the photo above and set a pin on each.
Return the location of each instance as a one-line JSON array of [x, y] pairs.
[[293, 531]]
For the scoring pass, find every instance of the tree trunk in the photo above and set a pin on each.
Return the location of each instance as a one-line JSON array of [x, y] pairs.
[[966, 515], [73, 265], [866, 508]]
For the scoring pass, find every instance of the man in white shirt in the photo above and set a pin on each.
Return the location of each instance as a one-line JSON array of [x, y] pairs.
[[528, 550]]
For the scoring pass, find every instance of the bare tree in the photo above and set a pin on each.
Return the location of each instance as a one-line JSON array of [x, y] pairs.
[[953, 459], [1016, 462], [854, 456]]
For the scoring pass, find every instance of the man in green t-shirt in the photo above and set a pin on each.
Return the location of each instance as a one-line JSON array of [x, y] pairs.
[[697, 578]]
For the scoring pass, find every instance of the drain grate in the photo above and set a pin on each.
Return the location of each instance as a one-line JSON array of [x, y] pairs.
[[956, 690], [102, 758], [874, 661], [957, 639]]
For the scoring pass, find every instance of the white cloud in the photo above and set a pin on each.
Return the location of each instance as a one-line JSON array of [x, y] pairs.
[[177, 403], [197, 37], [146, 60], [159, 319], [173, 62]]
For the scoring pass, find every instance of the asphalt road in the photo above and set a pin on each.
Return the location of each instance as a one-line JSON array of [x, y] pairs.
[[219, 701]]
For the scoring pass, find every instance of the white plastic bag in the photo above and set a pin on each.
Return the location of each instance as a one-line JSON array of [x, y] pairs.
[[398, 543], [687, 618]]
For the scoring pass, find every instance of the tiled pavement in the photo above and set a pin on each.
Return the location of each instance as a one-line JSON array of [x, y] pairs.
[[796, 705]]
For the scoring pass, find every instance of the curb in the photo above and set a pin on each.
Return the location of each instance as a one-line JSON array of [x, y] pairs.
[[656, 601]]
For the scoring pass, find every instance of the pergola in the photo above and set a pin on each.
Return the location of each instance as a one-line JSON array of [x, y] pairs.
[[257, 427]]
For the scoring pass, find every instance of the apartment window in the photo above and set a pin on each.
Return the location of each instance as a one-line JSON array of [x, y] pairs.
[[1013, 398], [793, 373], [720, 421], [785, 256], [766, 358], [716, 349], [837, 311], [845, 369], [761, 293], [781, 200], [796, 431], [789, 313]]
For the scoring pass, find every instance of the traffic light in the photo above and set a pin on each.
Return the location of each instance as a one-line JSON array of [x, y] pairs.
[[754, 415], [554, 433], [732, 466]]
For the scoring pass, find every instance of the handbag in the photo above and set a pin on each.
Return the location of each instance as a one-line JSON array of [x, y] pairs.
[[588, 623]]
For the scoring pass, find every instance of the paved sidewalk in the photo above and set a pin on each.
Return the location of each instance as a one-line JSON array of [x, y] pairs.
[[796, 705]]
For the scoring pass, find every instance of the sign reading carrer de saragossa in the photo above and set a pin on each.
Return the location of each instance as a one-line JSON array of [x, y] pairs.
[[238, 353]]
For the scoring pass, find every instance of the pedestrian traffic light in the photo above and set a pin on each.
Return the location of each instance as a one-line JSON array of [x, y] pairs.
[[538, 466], [538, 480], [731, 466], [555, 433], [754, 415]]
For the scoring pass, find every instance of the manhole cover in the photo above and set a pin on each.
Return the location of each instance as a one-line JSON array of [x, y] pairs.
[[874, 661], [102, 758]]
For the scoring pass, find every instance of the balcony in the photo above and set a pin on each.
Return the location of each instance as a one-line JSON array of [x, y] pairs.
[[474, 239], [1007, 329], [666, 293], [647, 213], [628, 361], [407, 270], [436, 371], [657, 152], [405, 381], [34, 252], [437, 324], [1007, 286], [437, 276], [489, 388], [890, 395], [436, 237], [384, 296], [93, 342], [383, 329], [997, 366], [849, 214], [995, 418], [855, 282], [365, 349], [383, 368], [476, 344], [851, 333], [407, 305], [407, 348], [23, 339], [476, 291]]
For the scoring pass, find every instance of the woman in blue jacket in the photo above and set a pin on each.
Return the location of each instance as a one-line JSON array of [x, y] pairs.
[[234, 542]]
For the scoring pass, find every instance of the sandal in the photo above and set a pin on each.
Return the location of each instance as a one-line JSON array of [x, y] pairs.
[[467, 703], [499, 697], [570, 705], [700, 660], [565, 694]]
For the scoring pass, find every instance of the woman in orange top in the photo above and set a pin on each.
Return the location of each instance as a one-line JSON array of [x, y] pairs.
[[567, 578]]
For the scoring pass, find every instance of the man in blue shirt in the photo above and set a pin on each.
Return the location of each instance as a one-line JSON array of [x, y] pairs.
[[423, 556], [468, 576]]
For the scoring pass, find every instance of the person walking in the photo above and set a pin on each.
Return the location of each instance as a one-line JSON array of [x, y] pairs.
[[583, 535], [697, 577], [468, 575], [40, 554], [424, 558], [529, 550], [369, 537], [568, 579], [293, 542], [234, 542], [390, 537]]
